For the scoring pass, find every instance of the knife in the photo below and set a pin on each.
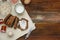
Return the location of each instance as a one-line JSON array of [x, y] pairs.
[[28, 34]]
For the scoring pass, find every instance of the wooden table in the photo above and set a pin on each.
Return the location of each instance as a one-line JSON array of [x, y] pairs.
[[46, 30]]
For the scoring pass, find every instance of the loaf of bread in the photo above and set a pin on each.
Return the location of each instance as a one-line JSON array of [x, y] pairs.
[[11, 21]]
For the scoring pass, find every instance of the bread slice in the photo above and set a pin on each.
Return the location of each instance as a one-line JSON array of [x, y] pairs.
[[13, 21], [10, 21], [16, 22], [22, 25], [7, 17]]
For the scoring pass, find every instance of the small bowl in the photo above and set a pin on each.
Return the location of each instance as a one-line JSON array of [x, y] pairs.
[[19, 8]]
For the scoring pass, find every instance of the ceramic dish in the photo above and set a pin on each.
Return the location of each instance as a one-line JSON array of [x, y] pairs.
[[19, 8]]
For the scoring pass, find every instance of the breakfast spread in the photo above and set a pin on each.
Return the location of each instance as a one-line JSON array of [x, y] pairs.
[[10, 20], [12, 24]]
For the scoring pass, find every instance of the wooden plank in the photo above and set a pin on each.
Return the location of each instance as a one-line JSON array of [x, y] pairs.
[[45, 32], [44, 8]]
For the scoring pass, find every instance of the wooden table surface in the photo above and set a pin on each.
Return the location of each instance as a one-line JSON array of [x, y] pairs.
[[46, 15]]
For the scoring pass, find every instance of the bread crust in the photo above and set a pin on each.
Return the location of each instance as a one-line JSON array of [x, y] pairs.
[[26, 24], [16, 22], [10, 21], [7, 17]]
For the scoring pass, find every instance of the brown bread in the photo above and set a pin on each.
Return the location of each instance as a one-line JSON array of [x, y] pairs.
[[7, 17], [16, 22], [10, 21]]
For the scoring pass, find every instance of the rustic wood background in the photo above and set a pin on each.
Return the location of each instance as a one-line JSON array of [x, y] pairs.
[[46, 15]]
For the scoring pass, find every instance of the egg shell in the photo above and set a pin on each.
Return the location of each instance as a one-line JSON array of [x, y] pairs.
[[10, 34]]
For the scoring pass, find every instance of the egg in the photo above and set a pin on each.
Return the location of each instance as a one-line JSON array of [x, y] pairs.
[[27, 1], [10, 34]]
